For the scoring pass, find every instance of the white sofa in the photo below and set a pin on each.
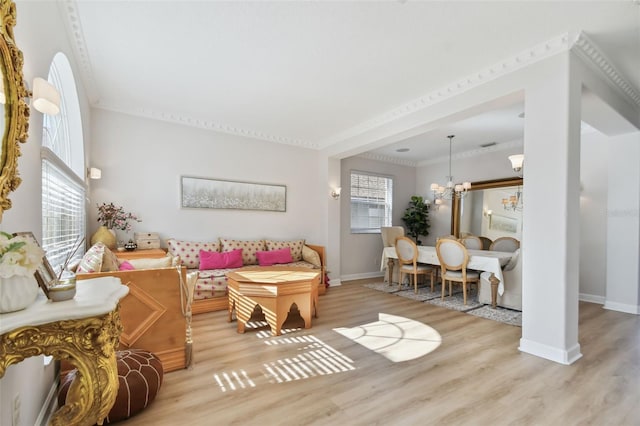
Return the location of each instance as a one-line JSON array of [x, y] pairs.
[[512, 296]]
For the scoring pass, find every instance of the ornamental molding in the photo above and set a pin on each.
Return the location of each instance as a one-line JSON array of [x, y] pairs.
[[568, 41], [474, 152], [190, 121], [387, 159], [593, 56]]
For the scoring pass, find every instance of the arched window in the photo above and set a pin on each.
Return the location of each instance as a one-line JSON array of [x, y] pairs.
[[63, 185]]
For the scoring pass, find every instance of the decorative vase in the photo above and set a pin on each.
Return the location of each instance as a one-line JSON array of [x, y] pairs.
[[106, 236], [17, 292]]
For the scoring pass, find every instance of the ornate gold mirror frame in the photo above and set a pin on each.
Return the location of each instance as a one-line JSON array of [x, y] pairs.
[[487, 184], [16, 110]]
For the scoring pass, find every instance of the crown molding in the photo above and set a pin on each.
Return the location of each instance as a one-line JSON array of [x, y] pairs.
[[568, 41], [190, 121], [387, 159], [513, 63], [474, 152], [69, 9], [577, 42], [593, 56]]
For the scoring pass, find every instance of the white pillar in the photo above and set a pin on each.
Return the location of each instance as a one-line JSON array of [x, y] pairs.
[[551, 239], [623, 225]]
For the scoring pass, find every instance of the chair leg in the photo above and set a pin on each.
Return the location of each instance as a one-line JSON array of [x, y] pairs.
[[444, 284], [415, 283], [464, 292], [432, 275]]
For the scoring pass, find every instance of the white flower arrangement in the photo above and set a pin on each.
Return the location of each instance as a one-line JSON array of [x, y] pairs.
[[18, 256]]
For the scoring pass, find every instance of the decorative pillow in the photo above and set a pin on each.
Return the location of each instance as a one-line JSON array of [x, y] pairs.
[[149, 263], [92, 259], [249, 249], [214, 260], [311, 256], [126, 266], [273, 257], [295, 246], [109, 261], [189, 251]]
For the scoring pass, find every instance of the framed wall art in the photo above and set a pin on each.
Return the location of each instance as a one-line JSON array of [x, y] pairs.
[[503, 223], [204, 193]]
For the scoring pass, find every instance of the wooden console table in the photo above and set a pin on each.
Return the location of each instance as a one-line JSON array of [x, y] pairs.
[[275, 289], [85, 331]]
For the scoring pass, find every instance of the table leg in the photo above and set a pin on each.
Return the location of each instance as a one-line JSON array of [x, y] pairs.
[[494, 290], [390, 263]]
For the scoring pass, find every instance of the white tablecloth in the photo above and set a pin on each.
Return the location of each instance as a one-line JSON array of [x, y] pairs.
[[480, 260]]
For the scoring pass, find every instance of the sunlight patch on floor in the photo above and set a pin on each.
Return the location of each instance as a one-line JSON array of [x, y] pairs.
[[314, 358], [396, 338]]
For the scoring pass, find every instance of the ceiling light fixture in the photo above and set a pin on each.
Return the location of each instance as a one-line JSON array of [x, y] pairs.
[[514, 202], [450, 191]]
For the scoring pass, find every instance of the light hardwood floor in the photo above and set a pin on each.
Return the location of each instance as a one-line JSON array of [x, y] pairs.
[[476, 377]]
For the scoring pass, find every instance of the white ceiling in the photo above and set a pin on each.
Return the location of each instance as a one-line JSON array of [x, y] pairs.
[[305, 72]]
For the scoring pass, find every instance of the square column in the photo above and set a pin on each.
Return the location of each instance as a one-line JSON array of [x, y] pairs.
[[551, 227]]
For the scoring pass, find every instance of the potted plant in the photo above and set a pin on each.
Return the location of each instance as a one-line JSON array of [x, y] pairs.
[[416, 218]]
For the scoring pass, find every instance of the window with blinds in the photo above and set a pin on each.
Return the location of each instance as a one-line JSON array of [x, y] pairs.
[[63, 211], [371, 202], [63, 186]]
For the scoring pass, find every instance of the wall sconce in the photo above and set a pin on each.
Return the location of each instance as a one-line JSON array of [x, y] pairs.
[[517, 162], [94, 173], [335, 193], [44, 97]]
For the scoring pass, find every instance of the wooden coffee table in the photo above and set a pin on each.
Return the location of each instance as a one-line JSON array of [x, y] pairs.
[[275, 289]]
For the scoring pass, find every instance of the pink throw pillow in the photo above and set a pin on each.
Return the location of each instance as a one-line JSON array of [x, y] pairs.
[[273, 257], [126, 266], [214, 260]]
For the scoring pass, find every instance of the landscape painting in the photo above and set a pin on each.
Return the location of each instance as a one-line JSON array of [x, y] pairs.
[[223, 194]]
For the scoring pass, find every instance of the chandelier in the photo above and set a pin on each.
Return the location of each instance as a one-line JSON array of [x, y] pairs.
[[514, 202], [450, 191]]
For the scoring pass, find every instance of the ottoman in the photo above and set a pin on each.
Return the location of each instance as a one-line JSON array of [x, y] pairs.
[[139, 378]]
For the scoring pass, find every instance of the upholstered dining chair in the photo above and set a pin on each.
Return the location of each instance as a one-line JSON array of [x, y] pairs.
[[472, 242], [507, 244], [486, 242], [407, 252], [453, 258], [389, 235]]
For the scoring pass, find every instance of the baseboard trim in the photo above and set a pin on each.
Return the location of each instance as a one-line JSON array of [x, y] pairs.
[[561, 356], [362, 276], [622, 307], [50, 405], [335, 282], [591, 298]]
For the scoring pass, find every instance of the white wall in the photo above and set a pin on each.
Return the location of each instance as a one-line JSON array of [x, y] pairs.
[[594, 148], [142, 161], [361, 253], [40, 35]]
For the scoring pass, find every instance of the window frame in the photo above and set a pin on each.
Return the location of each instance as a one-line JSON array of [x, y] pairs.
[[386, 218]]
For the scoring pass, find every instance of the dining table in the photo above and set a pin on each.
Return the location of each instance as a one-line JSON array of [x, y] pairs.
[[490, 262]]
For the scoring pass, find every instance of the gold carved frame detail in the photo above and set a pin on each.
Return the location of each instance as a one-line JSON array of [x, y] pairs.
[[16, 110]]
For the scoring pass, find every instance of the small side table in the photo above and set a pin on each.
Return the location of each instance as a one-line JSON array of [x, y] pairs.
[[85, 331], [141, 254]]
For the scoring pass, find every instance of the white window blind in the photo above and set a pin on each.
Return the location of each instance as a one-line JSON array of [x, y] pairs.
[[371, 202], [63, 211]]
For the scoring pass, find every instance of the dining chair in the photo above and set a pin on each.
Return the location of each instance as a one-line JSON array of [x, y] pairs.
[[446, 237], [389, 235], [453, 258], [407, 252], [472, 242], [486, 242], [506, 244]]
